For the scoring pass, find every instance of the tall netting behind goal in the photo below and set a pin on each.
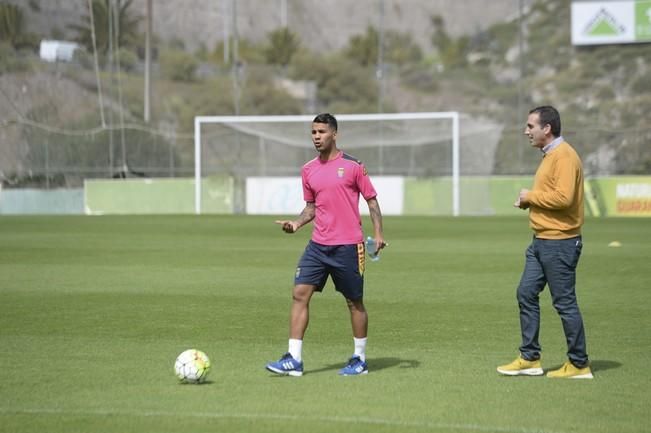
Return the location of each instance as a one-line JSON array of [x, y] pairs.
[[424, 147]]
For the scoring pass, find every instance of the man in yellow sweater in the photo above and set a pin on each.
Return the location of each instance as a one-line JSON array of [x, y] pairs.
[[555, 206]]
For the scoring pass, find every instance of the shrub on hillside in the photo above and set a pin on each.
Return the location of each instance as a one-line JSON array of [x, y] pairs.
[[178, 65]]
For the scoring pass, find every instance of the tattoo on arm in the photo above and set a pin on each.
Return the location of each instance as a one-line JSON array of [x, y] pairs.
[[376, 214], [306, 215]]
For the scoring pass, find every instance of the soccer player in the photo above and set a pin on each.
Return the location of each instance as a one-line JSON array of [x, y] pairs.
[[555, 206], [332, 184]]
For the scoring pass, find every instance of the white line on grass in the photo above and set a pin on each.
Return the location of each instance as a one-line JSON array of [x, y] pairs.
[[330, 419]]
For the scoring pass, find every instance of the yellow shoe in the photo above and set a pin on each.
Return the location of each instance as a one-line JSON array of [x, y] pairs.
[[521, 367], [569, 371]]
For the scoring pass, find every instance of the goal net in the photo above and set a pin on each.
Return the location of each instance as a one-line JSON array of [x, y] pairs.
[[265, 150]]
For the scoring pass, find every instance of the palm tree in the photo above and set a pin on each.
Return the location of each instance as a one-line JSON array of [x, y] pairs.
[[126, 27]]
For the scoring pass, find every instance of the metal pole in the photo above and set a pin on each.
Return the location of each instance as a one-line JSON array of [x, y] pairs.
[[148, 31], [197, 165], [456, 171], [110, 69], [95, 56], [236, 61], [47, 163], [116, 35], [520, 104], [380, 60], [226, 31], [379, 73], [236, 36]]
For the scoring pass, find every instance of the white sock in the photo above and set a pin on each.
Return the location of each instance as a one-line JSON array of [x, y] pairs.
[[360, 348], [295, 348]]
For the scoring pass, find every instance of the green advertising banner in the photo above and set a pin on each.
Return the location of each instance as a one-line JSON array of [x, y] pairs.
[[625, 196]]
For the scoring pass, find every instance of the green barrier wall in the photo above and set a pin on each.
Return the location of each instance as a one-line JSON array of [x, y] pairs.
[[623, 196], [156, 196], [478, 195], [628, 196]]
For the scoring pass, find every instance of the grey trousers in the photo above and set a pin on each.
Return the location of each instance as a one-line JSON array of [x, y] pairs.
[[551, 262]]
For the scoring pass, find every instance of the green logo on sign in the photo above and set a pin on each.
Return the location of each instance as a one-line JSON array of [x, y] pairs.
[[604, 24], [643, 20]]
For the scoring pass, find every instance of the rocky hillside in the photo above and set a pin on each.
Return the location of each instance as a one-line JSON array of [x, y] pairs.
[[320, 23], [603, 92]]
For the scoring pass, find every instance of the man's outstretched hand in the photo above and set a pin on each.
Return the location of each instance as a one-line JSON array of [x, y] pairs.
[[288, 226]]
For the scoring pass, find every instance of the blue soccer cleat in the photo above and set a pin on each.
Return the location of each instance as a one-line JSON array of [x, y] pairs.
[[354, 367], [286, 366]]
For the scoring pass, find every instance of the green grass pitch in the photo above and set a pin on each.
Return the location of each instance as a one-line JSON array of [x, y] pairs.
[[94, 310]]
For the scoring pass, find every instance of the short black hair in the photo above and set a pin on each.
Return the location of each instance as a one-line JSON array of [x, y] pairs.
[[549, 116], [326, 118]]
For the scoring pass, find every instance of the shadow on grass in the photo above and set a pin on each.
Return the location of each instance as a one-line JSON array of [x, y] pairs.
[[602, 365], [374, 364], [204, 383], [599, 365]]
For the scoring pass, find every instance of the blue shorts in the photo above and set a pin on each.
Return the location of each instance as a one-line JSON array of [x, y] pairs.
[[344, 263]]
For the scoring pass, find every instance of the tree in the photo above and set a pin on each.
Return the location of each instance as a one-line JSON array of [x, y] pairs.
[[362, 49], [342, 83], [102, 16], [283, 44], [177, 65], [399, 48], [451, 52], [247, 52], [12, 28], [260, 96], [11, 23]]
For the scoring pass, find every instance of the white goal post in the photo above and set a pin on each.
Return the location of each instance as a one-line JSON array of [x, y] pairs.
[[244, 124]]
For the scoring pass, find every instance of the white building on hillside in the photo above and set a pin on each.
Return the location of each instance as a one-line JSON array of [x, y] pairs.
[[54, 51]]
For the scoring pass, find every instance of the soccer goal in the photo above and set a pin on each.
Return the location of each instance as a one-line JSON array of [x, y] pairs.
[[399, 145]]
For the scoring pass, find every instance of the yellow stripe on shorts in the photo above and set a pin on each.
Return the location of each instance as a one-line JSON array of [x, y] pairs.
[[361, 257]]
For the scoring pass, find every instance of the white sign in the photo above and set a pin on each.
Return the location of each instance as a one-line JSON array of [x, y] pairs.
[[611, 22], [284, 195], [53, 51], [390, 194], [274, 196], [633, 190]]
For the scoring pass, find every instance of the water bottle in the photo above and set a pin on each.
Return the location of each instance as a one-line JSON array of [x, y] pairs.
[[371, 249]]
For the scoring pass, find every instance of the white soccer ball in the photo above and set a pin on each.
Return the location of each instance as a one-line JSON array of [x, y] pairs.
[[192, 366]]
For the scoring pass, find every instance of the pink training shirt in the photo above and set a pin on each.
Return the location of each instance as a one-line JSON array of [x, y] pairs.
[[334, 188]]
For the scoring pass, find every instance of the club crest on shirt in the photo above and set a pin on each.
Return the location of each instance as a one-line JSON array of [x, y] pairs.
[[364, 170], [340, 172]]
